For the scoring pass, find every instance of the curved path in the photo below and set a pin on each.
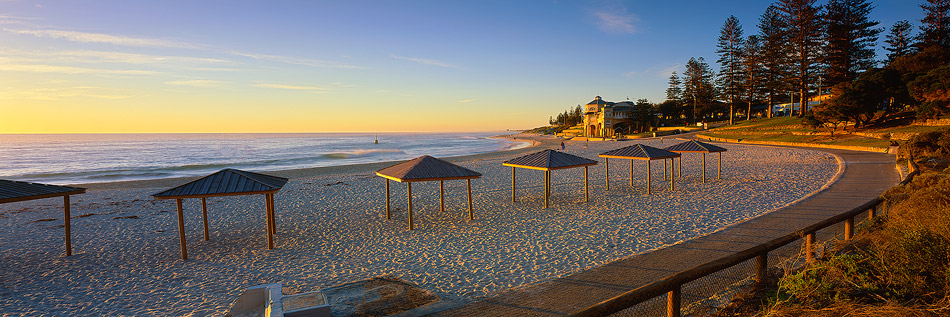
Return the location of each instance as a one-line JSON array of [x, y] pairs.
[[866, 175]]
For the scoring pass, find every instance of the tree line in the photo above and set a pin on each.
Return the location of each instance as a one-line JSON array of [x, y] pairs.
[[803, 49]]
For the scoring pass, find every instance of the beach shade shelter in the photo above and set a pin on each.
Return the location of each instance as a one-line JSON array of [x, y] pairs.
[[694, 146], [13, 191], [639, 152], [424, 169], [547, 161], [226, 182]]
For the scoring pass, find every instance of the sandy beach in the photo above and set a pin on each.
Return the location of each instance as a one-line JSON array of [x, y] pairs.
[[332, 229]]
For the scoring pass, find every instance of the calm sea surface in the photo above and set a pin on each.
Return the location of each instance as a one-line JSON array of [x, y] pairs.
[[96, 158]]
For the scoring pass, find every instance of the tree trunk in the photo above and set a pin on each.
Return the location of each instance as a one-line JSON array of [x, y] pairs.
[[732, 103], [748, 115]]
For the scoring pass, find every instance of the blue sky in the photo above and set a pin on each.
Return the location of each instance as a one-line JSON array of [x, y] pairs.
[[324, 66]]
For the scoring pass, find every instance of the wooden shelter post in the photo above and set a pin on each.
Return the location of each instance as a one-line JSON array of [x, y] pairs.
[[181, 231], [586, 188], [204, 216], [273, 215], [664, 169], [409, 190], [681, 167], [270, 236], [471, 213], [606, 174], [441, 195], [513, 184], [66, 218], [671, 172], [704, 167], [631, 173], [649, 173], [547, 187], [719, 173], [388, 214]]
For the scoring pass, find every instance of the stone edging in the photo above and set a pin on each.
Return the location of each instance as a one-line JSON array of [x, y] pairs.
[[826, 146]]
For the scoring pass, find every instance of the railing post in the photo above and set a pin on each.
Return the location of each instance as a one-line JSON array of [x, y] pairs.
[[673, 302], [871, 213], [761, 267], [849, 228], [810, 247]]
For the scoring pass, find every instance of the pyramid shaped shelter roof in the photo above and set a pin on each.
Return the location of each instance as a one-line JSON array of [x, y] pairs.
[[11, 191], [694, 146], [426, 168], [549, 160], [639, 152], [226, 182]]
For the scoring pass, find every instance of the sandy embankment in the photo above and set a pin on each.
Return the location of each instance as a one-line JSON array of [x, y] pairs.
[[331, 229]]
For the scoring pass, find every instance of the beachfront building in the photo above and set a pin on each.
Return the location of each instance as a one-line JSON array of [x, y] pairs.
[[603, 118], [792, 108]]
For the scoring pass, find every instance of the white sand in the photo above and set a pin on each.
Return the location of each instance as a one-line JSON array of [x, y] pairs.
[[338, 233]]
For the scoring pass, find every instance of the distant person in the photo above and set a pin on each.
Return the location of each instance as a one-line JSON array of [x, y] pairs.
[[562, 145]]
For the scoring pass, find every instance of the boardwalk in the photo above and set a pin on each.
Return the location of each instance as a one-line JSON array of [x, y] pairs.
[[866, 175]]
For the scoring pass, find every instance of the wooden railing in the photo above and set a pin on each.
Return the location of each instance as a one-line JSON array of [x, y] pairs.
[[672, 285]]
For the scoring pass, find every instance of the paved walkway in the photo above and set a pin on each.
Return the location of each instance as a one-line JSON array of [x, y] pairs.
[[866, 175]]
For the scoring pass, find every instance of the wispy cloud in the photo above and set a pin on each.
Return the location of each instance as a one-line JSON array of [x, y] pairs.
[[14, 20], [62, 93], [662, 71], [86, 37], [669, 69], [614, 22], [466, 100], [200, 83], [425, 61], [295, 60], [91, 56], [131, 58], [131, 41], [292, 87], [43, 68]]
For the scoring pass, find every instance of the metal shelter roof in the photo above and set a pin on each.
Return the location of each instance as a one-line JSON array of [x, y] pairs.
[[695, 146], [11, 191], [426, 168], [640, 152], [549, 160], [225, 182]]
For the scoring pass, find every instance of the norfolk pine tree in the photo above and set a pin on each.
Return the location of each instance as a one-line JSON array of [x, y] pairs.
[[730, 62], [774, 54], [850, 37], [802, 21], [752, 68], [936, 24], [899, 40], [698, 86]]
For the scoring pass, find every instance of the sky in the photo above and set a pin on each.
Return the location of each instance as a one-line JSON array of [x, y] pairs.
[[209, 66]]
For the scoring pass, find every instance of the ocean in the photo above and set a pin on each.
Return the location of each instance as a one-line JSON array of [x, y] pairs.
[[96, 158]]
